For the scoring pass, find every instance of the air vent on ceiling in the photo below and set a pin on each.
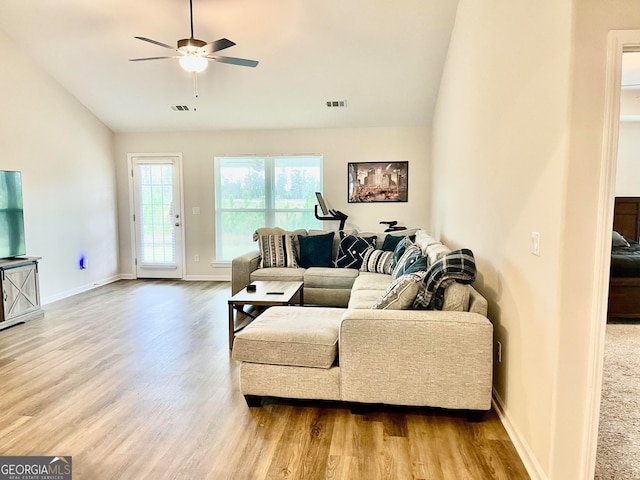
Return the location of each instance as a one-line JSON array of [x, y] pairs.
[[179, 108], [337, 103]]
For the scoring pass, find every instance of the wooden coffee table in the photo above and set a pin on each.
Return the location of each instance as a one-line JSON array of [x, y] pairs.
[[267, 294]]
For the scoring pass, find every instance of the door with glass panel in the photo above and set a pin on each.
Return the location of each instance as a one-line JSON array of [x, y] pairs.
[[157, 216]]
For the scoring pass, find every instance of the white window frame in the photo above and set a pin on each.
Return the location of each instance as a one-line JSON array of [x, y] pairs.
[[269, 178]]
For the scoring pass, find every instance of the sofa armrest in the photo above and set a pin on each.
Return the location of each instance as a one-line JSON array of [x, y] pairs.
[[408, 357], [241, 268]]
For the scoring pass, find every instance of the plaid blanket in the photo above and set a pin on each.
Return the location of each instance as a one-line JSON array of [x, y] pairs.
[[457, 266]]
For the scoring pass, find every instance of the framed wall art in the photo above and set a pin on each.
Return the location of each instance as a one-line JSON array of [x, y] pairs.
[[378, 182]]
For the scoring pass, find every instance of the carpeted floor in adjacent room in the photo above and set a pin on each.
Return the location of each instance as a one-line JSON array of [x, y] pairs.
[[618, 454]]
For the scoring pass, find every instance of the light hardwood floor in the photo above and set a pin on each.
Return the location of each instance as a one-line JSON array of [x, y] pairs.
[[134, 381]]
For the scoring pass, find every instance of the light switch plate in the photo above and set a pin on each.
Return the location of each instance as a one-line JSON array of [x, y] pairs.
[[535, 243]]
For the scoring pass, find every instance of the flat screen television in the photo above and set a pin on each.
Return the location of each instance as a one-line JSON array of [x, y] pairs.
[[12, 242]]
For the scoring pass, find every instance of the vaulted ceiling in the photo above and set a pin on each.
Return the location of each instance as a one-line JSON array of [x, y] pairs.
[[385, 58]]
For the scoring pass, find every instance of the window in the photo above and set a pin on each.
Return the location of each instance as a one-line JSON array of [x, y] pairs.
[[253, 192]]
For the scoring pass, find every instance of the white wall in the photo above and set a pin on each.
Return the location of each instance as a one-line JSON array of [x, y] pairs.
[[499, 156], [528, 165], [628, 165], [66, 157], [582, 320], [338, 146]]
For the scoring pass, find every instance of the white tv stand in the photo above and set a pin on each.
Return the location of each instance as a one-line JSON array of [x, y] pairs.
[[19, 291]]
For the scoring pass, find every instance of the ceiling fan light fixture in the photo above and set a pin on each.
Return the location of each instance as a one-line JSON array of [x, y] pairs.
[[191, 45], [193, 63]]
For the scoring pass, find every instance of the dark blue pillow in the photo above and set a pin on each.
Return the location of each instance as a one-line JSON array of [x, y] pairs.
[[316, 250], [351, 250], [391, 242]]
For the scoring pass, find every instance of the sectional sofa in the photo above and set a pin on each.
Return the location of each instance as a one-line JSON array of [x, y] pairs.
[[374, 344]]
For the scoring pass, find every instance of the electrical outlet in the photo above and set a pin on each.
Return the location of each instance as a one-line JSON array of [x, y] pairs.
[[499, 348], [196, 258]]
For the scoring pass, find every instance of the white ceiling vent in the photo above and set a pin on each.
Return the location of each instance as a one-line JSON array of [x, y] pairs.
[[179, 108], [337, 103]]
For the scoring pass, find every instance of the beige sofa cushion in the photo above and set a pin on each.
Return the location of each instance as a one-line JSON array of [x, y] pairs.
[[369, 287], [279, 274], [364, 298], [329, 277], [371, 281], [296, 336]]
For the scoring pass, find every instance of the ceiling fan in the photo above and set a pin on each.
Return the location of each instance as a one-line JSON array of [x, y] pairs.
[[194, 55]]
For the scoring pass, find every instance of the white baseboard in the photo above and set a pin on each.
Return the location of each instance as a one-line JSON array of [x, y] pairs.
[[81, 289], [207, 278], [529, 460], [125, 276]]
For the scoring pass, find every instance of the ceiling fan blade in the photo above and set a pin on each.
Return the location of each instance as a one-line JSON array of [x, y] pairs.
[[234, 61], [151, 58], [218, 45], [155, 42]]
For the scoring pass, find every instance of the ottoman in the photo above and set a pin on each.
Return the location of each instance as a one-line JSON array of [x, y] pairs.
[[290, 352]]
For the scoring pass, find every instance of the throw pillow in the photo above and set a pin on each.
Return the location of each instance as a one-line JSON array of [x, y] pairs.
[[399, 250], [401, 293], [316, 250], [435, 252], [411, 261], [618, 240], [423, 240], [391, 242], [277, 251], [351, 251], [376, 261]]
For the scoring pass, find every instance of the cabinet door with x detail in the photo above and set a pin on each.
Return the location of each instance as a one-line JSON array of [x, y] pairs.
[[20, 293]]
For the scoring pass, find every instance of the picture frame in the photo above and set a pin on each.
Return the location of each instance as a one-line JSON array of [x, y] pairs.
[[370, 182]]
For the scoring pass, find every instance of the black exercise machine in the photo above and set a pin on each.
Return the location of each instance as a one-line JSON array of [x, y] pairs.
[[329, 214]]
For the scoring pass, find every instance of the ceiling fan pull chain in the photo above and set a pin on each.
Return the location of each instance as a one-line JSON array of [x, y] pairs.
[[195, 88]]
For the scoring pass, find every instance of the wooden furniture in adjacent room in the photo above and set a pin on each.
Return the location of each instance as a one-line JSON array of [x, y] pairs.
[[20, 291], [266, 294], [624, 292]]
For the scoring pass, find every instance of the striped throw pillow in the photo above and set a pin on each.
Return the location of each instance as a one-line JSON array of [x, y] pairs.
[[376, 261], [277, 251]]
